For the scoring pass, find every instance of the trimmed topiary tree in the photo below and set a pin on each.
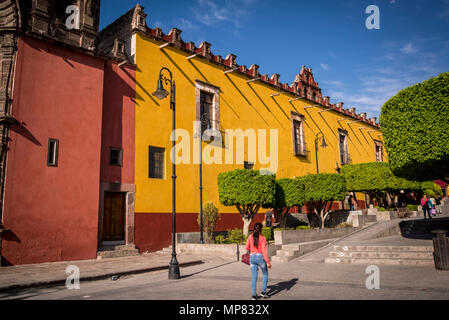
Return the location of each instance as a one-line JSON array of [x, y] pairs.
[[377, 180], [247, 190], [415, 128], [289, 193], [430, 185], [320, 190]]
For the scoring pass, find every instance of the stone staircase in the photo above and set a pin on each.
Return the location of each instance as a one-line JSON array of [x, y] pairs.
[[382, 255], [291, 251], [115, 251]]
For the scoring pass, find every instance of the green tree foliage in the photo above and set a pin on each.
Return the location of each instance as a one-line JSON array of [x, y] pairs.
[[210, 218], [320, 190], [377, 180], [432, 186], [289, 193], [247, 190], [415, 128]]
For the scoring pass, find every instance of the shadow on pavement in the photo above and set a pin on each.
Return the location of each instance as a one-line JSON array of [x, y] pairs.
[[281, 286], [422, 228], [211, 268]]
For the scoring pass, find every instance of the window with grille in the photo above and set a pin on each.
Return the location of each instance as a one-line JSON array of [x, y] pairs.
[[379, 151], [299, 144], [156, 162], [343, 143], [206, 109]]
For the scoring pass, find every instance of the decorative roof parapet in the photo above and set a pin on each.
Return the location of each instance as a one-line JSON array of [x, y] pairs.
[[254, 70], [274, 79], [205, 49], [139, 19], [230, 60], [175, 37]]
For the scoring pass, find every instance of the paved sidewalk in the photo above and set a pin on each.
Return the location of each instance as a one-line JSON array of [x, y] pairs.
[[53, 273]]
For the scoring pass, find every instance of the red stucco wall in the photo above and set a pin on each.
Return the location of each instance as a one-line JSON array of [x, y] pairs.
[[153, 231], [118, 122], [53, 212]]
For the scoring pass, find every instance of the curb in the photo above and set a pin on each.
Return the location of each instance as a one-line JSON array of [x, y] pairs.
[[47, 283]]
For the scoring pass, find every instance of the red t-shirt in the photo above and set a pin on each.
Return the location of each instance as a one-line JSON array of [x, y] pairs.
[[261, 248]]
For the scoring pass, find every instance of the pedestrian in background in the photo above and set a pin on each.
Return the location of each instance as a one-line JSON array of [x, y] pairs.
[[433, 203], [256, 246], [351, 203], [269, 219], [425, 206], [438, 204]]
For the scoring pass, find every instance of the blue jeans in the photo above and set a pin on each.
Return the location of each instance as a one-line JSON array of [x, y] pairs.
[[257, 261]]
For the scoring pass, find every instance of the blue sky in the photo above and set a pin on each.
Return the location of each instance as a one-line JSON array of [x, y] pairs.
[[360, 67]]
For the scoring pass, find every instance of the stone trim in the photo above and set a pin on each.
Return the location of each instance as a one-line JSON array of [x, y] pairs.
[[210, 88], [296, 117]]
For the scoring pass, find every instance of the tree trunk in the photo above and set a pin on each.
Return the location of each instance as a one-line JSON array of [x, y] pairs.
[[246, 223]]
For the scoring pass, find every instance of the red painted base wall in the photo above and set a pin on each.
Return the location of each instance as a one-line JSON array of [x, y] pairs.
[[153, 231]]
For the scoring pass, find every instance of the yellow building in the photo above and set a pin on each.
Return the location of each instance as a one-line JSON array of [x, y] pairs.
[[225, 96]]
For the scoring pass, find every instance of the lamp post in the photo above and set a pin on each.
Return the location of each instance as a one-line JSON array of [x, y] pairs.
[[161, 93], [204, 121], [319, 137]]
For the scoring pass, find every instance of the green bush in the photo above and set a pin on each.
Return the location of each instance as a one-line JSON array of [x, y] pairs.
[[416, 130], [344, 225], [210, 218], [412, 207], [266, 232], [386, 209], [236, 236], [220, 239], [302, 227]]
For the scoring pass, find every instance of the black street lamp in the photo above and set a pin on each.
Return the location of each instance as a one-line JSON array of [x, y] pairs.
[[323, 145], [161, 93]]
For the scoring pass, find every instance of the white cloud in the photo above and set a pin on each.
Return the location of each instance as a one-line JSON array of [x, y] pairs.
[[228, 15], [408, 48], [333, 83], [324, 66]]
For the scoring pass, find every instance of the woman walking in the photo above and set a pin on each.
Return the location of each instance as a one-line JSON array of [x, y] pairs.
[[425, 206], [257, 247]]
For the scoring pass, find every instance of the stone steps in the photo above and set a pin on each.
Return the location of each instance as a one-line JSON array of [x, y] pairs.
[[391, 262], [382, 255], [116, 251], [291, 251]]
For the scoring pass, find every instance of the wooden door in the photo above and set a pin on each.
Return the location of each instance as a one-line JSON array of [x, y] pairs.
[[114, 217]]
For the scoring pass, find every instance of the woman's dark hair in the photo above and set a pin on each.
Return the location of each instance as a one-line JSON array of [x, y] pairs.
[[257, 230]]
